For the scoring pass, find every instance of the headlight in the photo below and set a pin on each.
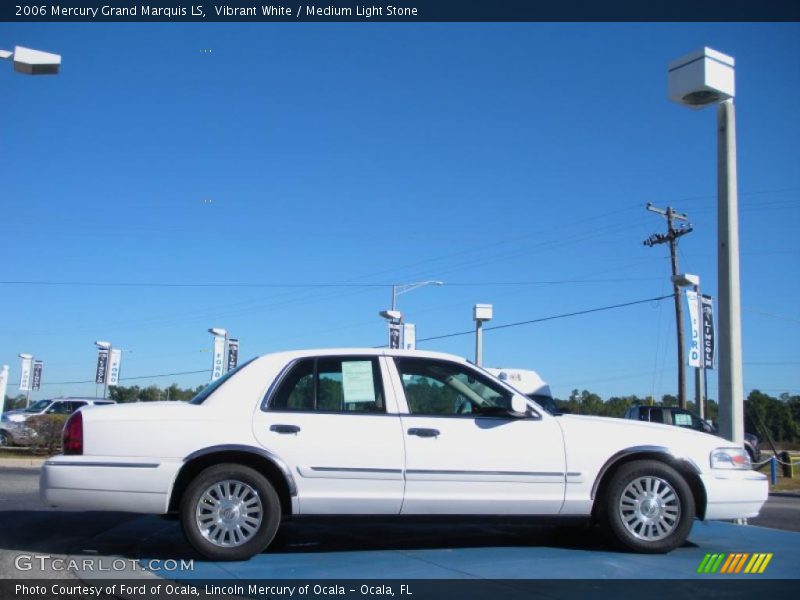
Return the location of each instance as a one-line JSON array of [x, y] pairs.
[[730, 458]]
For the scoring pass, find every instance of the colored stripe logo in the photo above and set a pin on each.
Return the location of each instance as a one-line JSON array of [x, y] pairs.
[[734, 562]]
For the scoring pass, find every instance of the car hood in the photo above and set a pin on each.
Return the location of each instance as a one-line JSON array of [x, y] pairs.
[[606, 436], [16, 416]]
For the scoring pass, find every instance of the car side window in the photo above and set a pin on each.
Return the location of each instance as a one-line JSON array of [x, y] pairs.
[[434, 387], [331, 384], [75, 405], [686, 419], [59, 408], [656, 415]]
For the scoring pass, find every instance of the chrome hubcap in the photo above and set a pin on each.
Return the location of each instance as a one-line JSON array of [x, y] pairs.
[[650, 508], [229, 513]]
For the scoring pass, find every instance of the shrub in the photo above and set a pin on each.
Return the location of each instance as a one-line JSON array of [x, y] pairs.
[[47, 433]]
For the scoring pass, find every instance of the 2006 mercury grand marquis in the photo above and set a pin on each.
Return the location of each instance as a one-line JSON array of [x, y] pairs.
[[386, 432]]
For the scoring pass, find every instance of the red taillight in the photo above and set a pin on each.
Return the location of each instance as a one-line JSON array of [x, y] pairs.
[[73, 434]]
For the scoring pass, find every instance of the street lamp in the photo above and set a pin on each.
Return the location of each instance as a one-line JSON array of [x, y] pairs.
[[398, 289], [33, 62], [693, 281], [697, 80], [393, 316], [480, 313]]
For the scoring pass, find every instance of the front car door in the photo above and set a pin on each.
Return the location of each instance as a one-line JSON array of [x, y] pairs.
[[464, 453], [329, 418]]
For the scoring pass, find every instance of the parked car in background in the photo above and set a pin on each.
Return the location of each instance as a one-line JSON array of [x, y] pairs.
[[530, 384], [680, 417], [13, 428], [389, 432]]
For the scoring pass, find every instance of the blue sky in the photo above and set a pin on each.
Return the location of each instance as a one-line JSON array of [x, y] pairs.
[[476, 154]]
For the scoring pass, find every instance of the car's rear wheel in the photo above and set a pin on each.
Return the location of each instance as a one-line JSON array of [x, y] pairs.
[[648, 507], [230, 512]]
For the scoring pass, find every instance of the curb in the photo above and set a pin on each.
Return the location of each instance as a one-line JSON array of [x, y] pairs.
[[23, 463]]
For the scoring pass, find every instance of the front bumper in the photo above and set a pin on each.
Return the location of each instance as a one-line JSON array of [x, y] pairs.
[[129, 484], [734, 494]]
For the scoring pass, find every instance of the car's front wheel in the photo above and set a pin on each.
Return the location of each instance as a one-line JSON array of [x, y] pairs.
[[5, 439], [230, 512], [648, 507]]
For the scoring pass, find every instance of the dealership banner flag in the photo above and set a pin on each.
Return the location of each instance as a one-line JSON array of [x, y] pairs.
[[694, 339], [38, 365], [25, 374], [708, 332], [102, 366], [394, 336], [219, 357], [233, 354], [409, 336], [3, 387], [114, 365]]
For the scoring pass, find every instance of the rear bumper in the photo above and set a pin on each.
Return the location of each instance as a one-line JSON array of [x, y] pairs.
[[734, 494], [127, 484]]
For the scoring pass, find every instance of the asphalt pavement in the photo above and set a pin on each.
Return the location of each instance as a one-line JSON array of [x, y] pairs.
[[28, 527]]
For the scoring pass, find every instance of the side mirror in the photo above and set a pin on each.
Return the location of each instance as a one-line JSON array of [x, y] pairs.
[[519, 406]]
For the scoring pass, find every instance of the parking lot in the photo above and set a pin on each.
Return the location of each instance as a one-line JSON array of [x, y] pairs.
[[376, 549]]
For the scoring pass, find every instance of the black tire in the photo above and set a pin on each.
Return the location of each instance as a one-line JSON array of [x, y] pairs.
[[654, 521], [256, 492], [5, 439]]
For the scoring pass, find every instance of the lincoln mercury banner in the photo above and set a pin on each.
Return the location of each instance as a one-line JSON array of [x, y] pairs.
[[3, 387], [38, 365], [114, 364], [233, 354], [25, 374], [409, 336], [102, 366], [694, 320], [219, 357], [708, 331]]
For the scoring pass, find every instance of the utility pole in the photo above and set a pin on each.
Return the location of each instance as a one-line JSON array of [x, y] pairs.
[[671, 237]]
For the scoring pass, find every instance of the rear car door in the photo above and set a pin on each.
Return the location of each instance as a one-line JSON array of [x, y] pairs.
[[464, 453], [330, 420]]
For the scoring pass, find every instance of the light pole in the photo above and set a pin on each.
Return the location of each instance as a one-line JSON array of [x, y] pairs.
[[402, 288], [33, 62], [698, 342], [697, 80], [395, 322], [480, 313]]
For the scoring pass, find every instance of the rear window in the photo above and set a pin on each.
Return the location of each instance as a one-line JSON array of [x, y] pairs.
[[215, 385]]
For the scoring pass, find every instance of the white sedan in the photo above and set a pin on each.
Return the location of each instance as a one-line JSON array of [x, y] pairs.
[[389, 432]]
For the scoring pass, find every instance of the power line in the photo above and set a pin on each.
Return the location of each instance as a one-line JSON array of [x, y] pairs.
[[317, 285], [127, 378], [550, 318]]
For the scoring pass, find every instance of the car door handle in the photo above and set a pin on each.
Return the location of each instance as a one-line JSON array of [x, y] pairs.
[[422, 432], [284, 428]]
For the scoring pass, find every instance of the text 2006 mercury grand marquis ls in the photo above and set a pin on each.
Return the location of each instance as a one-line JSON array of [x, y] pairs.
[[385, 432]]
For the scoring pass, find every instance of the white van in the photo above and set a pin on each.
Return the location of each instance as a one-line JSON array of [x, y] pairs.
[[530, 384]]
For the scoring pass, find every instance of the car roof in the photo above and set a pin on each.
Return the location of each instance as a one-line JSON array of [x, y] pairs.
[[312, 352]]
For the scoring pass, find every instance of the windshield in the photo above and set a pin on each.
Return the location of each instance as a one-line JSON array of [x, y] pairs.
[[546, 402], [38, 406], [215, 385]]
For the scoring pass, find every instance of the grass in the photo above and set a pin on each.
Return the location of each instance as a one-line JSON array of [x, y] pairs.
[[786, 484]]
